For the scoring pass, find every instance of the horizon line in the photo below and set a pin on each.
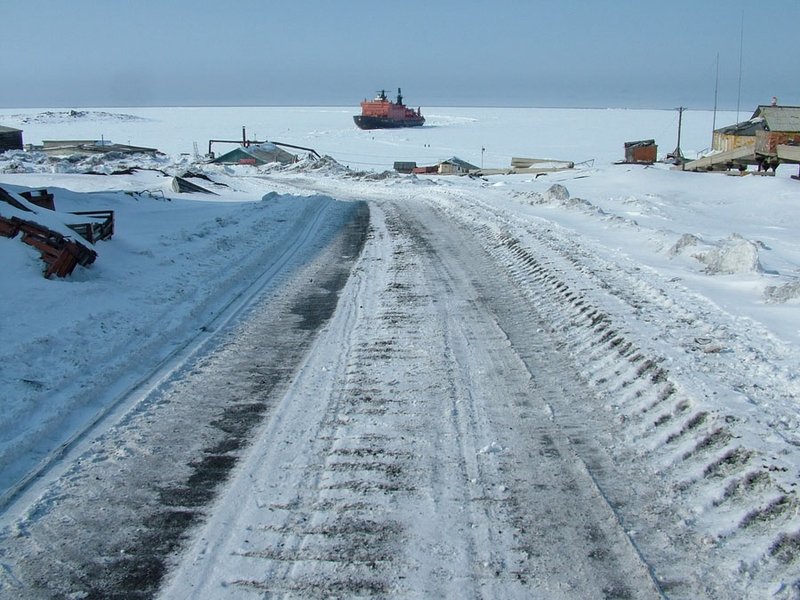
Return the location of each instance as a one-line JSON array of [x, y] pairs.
[[355, 106]]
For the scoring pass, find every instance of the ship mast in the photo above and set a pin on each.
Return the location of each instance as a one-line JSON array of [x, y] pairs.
[[399, 96]]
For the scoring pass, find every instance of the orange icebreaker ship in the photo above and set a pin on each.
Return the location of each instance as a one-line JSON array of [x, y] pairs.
[[382, 113]]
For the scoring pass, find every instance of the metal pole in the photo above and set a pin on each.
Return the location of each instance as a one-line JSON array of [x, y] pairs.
[[741, 53], [716, 90], [677, 154]]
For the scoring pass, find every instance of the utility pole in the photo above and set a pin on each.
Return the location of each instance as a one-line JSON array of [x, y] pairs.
[[677, 154]]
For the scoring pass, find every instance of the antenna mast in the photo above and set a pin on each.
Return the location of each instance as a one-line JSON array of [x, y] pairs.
[[741, 52], [716, 90]]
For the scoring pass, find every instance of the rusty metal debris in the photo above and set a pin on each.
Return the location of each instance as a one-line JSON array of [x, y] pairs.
[[61, 253]]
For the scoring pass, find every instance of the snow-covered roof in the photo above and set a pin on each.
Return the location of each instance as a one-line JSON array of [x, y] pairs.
[[640, 143], [748, 127], [459, 163], [65, 147], [261, 153]]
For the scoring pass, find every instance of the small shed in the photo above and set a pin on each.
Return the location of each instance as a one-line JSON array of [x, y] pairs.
[[256, 154], [455, 166], [641, 152], [10, 138], [404, 166]]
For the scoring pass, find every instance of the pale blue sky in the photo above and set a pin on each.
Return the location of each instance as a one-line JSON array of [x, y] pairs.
[[621, 53]]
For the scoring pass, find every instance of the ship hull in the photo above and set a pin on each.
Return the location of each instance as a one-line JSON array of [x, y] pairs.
[[370, 122]]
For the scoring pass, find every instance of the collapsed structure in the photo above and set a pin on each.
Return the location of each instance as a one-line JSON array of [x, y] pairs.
[[89, 147], [256, 154], [32, 216]]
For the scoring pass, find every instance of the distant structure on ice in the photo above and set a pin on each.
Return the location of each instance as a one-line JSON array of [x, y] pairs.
[[10, 139]]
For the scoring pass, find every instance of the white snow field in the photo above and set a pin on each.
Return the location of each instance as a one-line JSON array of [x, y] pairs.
[[333, 380]]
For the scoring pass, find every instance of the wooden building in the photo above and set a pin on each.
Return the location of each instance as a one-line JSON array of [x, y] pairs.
[[10, 139], [770, 138], [455, 166], [781, 126], [770, 126], [736, 136]]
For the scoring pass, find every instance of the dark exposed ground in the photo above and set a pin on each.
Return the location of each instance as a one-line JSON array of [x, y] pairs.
[[153, 477]]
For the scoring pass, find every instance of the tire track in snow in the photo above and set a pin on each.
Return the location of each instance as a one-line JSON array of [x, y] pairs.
[[319, 526], [397, 466], [672, 440], [669, 371], [548, 500]]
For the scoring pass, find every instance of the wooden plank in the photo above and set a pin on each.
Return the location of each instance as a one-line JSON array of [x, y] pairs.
[[524, 163], [94, 231], [6, 197], [41, 198], [743, 154], [789, 153], [63, 264], [8, 228], [517, 171]]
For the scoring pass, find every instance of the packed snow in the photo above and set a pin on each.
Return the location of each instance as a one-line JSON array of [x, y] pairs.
[[695, 276]]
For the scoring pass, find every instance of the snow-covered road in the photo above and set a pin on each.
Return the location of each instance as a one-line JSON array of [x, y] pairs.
[[415, 454]]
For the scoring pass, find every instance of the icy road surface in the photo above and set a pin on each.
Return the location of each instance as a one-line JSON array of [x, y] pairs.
[[448, 401], [415, 453]]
